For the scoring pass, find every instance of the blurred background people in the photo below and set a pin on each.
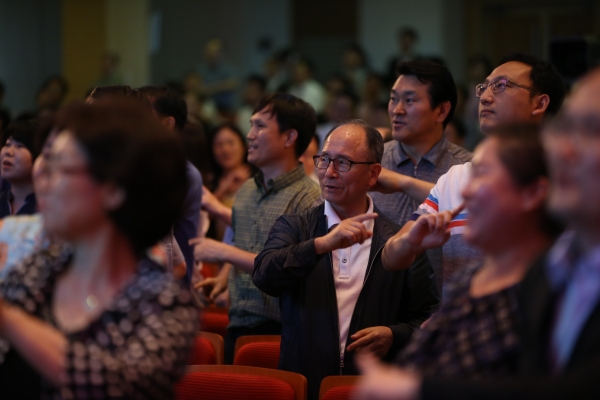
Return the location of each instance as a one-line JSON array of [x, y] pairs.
[[16, 162]]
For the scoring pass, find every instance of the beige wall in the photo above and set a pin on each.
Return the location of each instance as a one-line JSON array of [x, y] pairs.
[[84, 42], [93, 27], [128, 35]]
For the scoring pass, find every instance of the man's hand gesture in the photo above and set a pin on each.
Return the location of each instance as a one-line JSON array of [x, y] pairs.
[[349, 232], [432, 230]]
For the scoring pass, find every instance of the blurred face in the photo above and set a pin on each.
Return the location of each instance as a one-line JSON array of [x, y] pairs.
[[266, 143], [410, 111], [16, 162], [40, 165], [228, 149], [307, 157], [573, 151], [70, 200], [514, 104], [492, 198], [347, 188]]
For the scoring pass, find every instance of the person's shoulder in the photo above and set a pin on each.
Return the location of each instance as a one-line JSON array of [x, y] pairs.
[[456, 172], [459, 154]]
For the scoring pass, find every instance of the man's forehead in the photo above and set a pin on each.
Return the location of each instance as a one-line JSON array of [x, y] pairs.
[[347, 139], [263, 114], [512, 70]]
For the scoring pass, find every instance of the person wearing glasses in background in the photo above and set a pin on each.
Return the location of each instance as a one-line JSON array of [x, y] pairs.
[[325, 266], [521, 90]]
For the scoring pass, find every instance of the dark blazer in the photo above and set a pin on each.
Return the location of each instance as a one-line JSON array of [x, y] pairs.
[[288, 268], [580, 378]]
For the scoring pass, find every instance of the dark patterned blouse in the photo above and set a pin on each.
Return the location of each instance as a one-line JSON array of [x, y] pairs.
[[137, 348], [468, 337]]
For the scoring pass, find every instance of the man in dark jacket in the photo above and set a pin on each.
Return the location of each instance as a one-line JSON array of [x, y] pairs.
[[325, 266]]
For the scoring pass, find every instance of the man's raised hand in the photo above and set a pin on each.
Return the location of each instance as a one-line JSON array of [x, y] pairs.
[[349, 232]]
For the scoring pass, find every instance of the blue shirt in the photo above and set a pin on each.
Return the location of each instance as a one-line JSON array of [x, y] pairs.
[[574, 275]]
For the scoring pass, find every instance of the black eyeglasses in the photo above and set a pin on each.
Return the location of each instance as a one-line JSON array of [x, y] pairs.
[[340, 164], [498, 87]]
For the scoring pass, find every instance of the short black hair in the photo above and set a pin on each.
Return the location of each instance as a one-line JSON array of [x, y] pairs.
[[545, 78], [167, 102], [291, 112], [441, 86], [125, 145], [374, 138], [24, 132]]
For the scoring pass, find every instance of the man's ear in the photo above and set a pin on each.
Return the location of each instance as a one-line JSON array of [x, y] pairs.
[[535, 194], [291, 137], [374, 171], [168, 122], [444, 110], [541, 104], [113, 196]]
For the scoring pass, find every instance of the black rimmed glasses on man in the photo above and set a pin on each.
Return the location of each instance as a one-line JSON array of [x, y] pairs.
[[498, 86], [340, 164]]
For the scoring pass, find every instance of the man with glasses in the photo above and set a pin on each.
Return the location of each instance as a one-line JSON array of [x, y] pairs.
[[325, 266], [559, 296], [523, 89]]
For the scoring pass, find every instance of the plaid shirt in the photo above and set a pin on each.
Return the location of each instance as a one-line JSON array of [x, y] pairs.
[[254, 212]]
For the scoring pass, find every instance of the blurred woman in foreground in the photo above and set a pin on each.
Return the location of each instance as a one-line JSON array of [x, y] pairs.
[[475, 333], [96, 318]]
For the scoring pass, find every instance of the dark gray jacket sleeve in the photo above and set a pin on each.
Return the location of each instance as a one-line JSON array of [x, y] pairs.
[[286, 259]]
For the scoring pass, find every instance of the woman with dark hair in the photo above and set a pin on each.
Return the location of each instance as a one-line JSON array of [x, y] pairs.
[[231, 170], [97, 318], [474, 335], [16, 162]]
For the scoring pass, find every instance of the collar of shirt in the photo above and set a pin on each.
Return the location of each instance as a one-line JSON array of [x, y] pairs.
[[434, 155], [565, 257], [279, 182], [333, 218]]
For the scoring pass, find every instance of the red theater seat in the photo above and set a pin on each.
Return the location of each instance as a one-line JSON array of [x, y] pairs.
[[220, 382], [208, 349], [257, 351], [338, 387], [215, 320]]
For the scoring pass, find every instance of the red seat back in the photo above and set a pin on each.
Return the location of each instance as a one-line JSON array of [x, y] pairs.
[[258, 354], [215, 320], [339, 393], [222, 386], [203, 352]]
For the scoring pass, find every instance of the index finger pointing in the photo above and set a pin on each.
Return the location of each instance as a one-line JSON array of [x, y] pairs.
[[454, 213], [364, 217]]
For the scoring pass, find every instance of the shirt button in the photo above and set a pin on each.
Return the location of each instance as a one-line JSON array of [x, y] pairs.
[[344, 260]]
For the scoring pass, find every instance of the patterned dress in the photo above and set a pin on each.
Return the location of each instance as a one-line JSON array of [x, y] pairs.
[[137, 348], [468, 337]]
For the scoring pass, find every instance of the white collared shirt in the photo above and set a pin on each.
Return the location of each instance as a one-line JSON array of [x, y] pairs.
[[349, 269]]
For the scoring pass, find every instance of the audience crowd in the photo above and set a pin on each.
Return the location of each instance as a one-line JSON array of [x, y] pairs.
[[438, 240]]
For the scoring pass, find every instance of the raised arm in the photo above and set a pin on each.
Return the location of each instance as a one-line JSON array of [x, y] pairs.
[[391, 182], [288, 259], [427, 232]]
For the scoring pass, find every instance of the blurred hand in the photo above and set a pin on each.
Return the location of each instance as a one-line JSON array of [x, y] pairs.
[[212, 287], [347, 233], [376, 340], [209, 250], [432, 230], [383, 382], [210, 202]]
